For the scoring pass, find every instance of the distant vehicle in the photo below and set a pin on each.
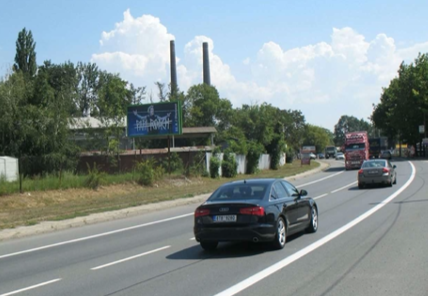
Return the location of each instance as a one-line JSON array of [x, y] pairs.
[[340, 155], [386, 154], [321, 156], [376, 145], [377, 171], [356, 149], [256, 210], [309, 155], [330, 151]]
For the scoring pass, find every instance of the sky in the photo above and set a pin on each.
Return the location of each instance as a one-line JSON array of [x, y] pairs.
[[326, 58]]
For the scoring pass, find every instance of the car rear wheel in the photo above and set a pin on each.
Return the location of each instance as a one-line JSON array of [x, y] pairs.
[[209, 246], [281, 234], [360, 186], [395, 180], [313, 226]]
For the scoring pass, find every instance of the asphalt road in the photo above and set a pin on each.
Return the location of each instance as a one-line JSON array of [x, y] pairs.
[[369, 242]]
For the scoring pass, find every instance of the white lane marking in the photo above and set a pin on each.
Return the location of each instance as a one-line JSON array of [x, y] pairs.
[[95, 236], [31, 287], [319, 180], [320, 196], [346, 186], [192, 238], [130, 258], [290, 259]]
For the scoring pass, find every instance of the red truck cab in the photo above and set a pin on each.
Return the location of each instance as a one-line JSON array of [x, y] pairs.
[[356, 149]]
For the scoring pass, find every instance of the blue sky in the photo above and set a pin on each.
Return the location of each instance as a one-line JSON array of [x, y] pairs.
[[333, 79]]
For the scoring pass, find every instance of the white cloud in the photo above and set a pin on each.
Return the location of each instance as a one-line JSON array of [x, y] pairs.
[[325, 80], [137, 48]]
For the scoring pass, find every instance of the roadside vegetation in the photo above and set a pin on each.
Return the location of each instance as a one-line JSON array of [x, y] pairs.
[[32, 207]]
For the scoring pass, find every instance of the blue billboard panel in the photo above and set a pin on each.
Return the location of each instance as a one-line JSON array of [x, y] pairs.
[[158, 119]]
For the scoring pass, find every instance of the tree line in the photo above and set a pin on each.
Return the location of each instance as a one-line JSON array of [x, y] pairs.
[[40, 101]]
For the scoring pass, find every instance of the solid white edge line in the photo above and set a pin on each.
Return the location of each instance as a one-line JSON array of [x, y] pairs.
[[95, 236], [290, 259], [31, 287], [346, 186], [192, 238], [130, 258], [320, 196], [319, 180]]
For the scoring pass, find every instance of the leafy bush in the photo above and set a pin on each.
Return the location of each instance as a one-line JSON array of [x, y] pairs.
[[229, 165], [289, 155], [215, 164], [253, 156], [94, 178], [176, 163], [198, 167], [148, 172], [275, 149]]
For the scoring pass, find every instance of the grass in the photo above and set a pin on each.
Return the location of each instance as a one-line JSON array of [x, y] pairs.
[[117, 192]]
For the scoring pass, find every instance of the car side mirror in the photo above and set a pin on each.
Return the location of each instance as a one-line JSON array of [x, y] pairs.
[[303, 192], [394, 166]]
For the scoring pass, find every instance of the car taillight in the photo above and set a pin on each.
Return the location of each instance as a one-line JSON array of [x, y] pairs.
[[201, 212], [385, 170], [360, 171], [255, 211]]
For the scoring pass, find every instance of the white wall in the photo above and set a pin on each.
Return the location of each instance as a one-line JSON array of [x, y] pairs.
[[241, 160], [9, 168]]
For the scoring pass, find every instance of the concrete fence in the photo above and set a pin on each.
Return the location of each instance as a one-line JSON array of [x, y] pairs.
[[241, 160]]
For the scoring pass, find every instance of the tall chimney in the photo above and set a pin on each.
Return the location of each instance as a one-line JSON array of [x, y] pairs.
[[174, 84], [206, 63]]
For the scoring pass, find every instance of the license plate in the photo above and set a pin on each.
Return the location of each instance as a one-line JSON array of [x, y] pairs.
[[224, 218], [372, 172], [355, 162]]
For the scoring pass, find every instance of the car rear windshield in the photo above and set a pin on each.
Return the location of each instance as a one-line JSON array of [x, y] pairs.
[[239, 192], [374, 164]]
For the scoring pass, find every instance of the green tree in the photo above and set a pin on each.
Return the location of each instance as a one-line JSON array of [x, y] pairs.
[[316, 136], [204, 107], [404, 103], [347, 124], [25, 57]]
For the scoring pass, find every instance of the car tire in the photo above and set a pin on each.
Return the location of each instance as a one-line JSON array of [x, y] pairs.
[[209, 246], [313, 226], [280, 235], [395, 180], [360, 186]]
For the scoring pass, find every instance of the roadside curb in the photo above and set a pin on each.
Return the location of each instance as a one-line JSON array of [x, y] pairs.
[[51, 226]]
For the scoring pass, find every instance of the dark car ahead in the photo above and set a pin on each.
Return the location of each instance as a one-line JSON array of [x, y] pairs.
[[377, 171], [386, 154], [256, 210]]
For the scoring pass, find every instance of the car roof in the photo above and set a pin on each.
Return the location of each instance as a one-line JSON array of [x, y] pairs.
[[254, 180]]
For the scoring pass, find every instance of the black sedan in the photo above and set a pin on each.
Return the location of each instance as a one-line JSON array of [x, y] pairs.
[[257, 210]]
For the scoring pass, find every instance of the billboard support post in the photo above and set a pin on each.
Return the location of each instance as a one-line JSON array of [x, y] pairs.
[[169, 155]]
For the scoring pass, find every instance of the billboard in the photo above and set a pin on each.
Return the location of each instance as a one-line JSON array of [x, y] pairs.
[[158, 119], [308, 149]]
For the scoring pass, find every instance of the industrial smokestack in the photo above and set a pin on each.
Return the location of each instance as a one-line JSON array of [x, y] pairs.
[[174, 84], [206, 63]]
